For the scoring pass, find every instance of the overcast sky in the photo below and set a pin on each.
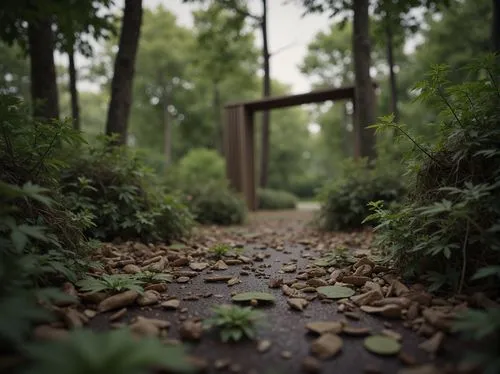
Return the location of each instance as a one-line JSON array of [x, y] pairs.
[[289, 34]]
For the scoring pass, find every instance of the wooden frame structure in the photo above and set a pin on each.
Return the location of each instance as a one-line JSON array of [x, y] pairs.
[[239, 134]]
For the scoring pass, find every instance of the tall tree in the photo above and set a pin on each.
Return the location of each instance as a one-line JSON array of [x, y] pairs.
[[361, 47], [44, 94], [240, 8], [225, 48], [495, 26], [123, 73]]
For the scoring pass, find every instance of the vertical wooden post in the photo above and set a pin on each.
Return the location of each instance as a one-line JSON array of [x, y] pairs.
[[355, 128], [249, 159]]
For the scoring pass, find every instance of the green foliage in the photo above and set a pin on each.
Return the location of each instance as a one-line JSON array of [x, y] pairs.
[[220, 250], [113, 283], [217, 204], [344, 202], [115, 352], [122, 196], [482, 326], [447, 229], [234, 322], [152, 277], [199, 167], [270, 199]]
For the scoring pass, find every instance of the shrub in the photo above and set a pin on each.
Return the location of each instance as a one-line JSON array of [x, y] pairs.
[[448, 227], [344, 202], [270, 199], [199, 167], [217, 204], [123, 197]]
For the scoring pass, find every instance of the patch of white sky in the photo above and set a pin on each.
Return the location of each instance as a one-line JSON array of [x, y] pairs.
[[289, 33]]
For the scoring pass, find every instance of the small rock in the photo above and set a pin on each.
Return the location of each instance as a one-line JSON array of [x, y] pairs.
[[191, 330], [131, 269], [311, 365], [144, 328], [286, 355], [366, 298], [337, 275], [438, 319], [299, 285], [68, 289], [89, 313], [171, 304], [364, 261], [289, 268], [388, 311], [149, 297], [364, 270], [93, 297], [118, 301], [403, 302], [158, 287], [297, 303], [323, 327], [356, 331], [72, 318], [326, 346], [221, 364], [391, 334], [233, 281], [263, 346], [317, 282], [355, 280], [182, 261], [117, 315], [159, 266], [198, 266], [413, 311], [220, 265], [182, 280], [352, 315], [433, 345]]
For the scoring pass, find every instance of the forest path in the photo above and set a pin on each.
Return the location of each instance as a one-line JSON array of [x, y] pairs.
[[270, 241]]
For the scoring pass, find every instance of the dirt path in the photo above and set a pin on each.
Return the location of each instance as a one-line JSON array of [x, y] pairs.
[[270, 241]]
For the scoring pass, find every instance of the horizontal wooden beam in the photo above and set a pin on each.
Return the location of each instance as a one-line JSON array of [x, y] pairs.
[[316, 96]]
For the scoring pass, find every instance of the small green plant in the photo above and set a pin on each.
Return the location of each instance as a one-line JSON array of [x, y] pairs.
[[220, 250], [113, 283], [338, 257], [115, 352], [234, 322], [270, 199], [152, 277]]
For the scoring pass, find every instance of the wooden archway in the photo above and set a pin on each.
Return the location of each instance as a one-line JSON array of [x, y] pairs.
[[239, 134]]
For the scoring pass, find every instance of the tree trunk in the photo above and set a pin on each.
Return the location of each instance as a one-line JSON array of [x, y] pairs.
[[167, 128], [123, 76], [364, 97], [495, 27], [75, 109], [264, 161], [44, 93], [392, 74], [219, 141]]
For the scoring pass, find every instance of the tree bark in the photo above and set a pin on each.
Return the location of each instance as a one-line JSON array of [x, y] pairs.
[[392, 74], [264, 161], [495, 26], [75, 109], [124, 68], [364, 105], [44, 93]]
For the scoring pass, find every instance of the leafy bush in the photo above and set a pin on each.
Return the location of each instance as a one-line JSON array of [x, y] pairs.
[[344, 202], [197, 168], [234, 322], [448, 229], [115, 352], [113, 283], [270, 199], [123, 197], [217, 204]]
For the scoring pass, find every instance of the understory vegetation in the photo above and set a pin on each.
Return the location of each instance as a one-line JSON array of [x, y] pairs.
[[447, 230], [344, 201], [47, 233], [270, 199], [200, 178]]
